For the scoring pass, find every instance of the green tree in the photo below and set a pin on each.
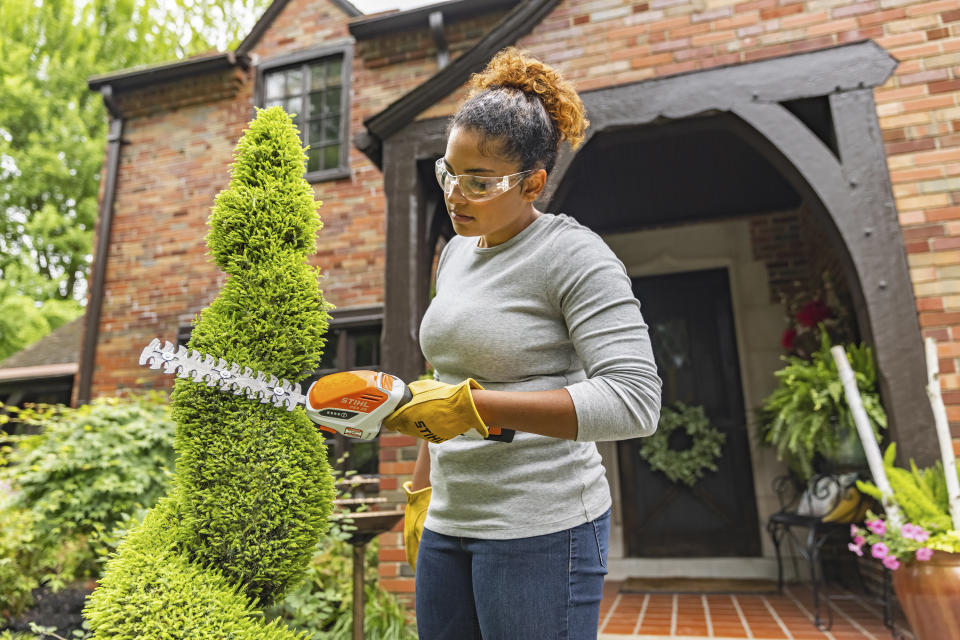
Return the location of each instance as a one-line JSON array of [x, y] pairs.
[[53, 131], [252, 490]]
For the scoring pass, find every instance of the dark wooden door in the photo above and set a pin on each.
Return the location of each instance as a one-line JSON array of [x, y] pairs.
[[694, 343]]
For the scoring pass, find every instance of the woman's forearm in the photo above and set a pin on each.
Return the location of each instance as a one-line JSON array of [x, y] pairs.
[[421, 469], [547, 413]]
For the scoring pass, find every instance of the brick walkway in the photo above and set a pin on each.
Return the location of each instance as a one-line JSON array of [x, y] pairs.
[[718, 616]]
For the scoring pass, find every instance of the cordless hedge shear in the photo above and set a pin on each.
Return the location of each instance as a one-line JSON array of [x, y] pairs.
[[352, 403]]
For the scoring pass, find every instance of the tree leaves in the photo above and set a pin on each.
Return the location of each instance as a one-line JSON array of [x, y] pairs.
[[53, 128]]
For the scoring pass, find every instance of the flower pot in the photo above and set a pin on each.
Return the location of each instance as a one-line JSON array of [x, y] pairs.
[[850, 453], [929, 593]]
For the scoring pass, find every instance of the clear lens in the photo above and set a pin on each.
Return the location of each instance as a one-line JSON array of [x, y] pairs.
[[477, 188]]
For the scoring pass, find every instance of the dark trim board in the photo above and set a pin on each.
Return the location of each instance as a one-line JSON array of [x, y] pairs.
[[848, 189]]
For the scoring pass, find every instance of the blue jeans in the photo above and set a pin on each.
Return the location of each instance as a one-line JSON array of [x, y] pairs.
[[544, 587]]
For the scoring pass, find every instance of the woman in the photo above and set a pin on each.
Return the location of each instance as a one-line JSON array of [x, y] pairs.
[[534, 329]]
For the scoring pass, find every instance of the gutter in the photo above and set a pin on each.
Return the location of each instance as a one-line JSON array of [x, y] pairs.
[[143, 76], [19, 374], [91, 324]]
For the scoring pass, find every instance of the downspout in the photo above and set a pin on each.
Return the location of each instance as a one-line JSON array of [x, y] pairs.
[[91, 331]]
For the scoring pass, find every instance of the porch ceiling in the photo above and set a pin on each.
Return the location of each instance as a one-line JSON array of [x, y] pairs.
[[670, 174]]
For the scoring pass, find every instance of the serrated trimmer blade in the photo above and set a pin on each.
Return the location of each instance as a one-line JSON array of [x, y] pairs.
[[226, 376]]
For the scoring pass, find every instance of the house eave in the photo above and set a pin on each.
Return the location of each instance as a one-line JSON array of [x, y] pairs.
[[137, 77]]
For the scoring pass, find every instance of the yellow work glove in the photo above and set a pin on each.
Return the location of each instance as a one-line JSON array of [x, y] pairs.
[[438, 411], [413, 516]]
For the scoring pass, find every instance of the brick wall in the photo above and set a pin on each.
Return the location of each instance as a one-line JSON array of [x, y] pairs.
[[176, 162]]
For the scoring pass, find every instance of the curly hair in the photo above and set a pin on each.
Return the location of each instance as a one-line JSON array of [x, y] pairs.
[[523, 106]]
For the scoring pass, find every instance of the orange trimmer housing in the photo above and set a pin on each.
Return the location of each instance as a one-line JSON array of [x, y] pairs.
[[355, 403]]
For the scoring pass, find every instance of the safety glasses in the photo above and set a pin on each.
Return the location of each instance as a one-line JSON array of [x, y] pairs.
[[477, 188]]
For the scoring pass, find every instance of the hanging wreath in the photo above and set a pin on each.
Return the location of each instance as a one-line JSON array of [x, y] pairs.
[[687, 465]]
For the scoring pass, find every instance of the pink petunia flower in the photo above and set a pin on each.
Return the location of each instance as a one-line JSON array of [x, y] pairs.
[[854, 531], [859, 540], [924, 554], [879, 551], [909, 530], [891, 562], [878, 526], [856, 549], [920, 535]]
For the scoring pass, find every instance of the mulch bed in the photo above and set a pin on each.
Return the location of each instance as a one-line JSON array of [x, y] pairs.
[[61, 610]]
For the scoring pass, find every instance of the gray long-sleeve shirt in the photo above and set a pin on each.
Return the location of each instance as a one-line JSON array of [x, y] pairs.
[[550, 308]]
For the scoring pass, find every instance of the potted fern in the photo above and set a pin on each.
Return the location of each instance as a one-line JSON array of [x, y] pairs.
[[806, 418], [922, 548], [920, 528]]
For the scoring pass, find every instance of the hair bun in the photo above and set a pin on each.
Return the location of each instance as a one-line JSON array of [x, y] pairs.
[[512, 67]]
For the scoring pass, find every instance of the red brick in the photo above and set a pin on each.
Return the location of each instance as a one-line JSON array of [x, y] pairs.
[[909, 146], [397, 585], [939, 319], [943, 87]]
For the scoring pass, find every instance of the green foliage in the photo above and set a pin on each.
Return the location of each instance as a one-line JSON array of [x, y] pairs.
[[53, 128], [322, 605], [89, 466], [19, 548], [807, 414], [921, 494], [84, 474], [689, 465], [253, 488]]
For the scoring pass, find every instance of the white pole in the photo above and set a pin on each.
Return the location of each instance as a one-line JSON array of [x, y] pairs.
[[943, 430], [867, 437]]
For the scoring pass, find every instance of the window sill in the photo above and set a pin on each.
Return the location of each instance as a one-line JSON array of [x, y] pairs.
[[327, 175]]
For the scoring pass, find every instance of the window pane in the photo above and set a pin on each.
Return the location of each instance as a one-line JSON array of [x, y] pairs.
[[366, 349], [292, 106], [331, 101], [274, 103], [329, 359], [315, 130], [333, 72], [294, 82], [316, 76], [274, 86], [331, 156], [316, 104], [315, 163], [331, 128]]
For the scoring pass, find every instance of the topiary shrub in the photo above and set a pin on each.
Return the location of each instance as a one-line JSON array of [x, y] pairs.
[[253, 489]]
